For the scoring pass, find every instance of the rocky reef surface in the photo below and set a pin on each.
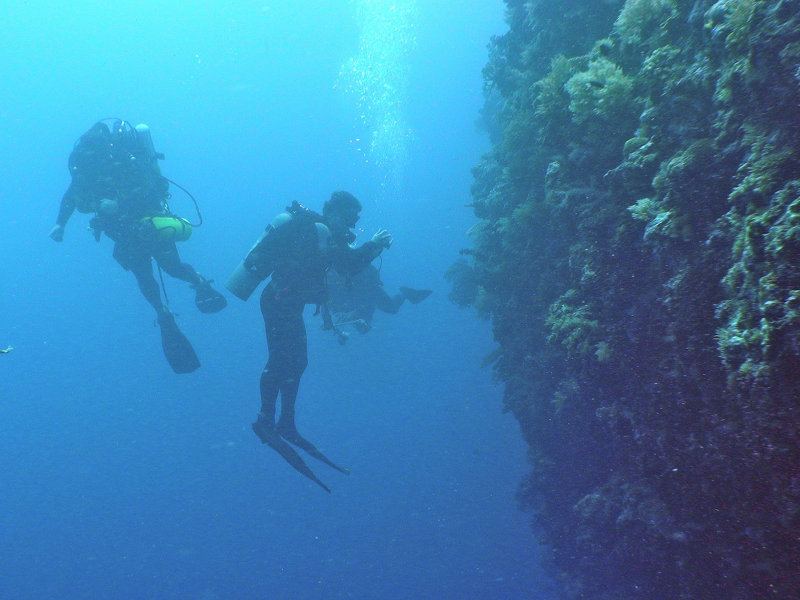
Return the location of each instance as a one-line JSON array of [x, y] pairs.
[[638, 254]]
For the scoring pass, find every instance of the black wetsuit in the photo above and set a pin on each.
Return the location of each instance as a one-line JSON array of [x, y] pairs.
[[140, 191], [292, 254]]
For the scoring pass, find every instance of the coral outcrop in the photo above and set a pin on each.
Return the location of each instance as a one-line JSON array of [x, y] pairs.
[[638, 253]]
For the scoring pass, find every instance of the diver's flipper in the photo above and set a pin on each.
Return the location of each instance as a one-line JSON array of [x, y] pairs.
[[207, 299], [271, 438], [415, 296], [292, 435], [179, 352]]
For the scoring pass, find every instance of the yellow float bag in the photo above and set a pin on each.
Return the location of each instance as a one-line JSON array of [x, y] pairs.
[[170, 229]]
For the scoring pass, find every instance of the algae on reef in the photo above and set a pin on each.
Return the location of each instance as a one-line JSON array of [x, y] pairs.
[[638, 252]]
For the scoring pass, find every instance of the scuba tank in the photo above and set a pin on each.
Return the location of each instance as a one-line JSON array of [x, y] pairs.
[[265, 254], [243, 281], [144, 143], [249, 273]]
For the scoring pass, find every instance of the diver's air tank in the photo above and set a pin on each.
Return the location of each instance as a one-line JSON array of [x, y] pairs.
[[144, 141], [242, 282]]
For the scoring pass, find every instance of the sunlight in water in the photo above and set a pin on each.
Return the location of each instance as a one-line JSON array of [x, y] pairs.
[[377, 79]]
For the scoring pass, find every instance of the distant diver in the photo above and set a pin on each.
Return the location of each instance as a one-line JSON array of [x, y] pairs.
[[353, 300], [7, 350], [115, 175], [296, 249]]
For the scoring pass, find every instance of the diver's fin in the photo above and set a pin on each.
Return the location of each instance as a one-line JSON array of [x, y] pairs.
[[207, 299], [415, 296], [292, 435], [179, 352], [271, 438]]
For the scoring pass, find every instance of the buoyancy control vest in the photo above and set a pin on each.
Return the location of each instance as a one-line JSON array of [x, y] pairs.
[[291, 251], [119, 163]]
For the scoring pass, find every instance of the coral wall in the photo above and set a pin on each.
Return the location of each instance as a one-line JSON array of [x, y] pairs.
[[638, 253]]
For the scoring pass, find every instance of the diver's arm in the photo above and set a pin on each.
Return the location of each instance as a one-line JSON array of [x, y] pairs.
[[65, 211], [349, 261]]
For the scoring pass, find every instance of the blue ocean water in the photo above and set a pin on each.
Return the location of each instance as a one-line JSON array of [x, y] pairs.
[[123, 480]]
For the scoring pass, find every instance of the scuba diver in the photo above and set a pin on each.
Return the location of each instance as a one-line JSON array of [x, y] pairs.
[[115, 175], [296, 249], [7, 350], [352, 301]]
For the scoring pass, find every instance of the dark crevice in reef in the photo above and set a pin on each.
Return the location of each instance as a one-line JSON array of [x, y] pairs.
[[638, 254]]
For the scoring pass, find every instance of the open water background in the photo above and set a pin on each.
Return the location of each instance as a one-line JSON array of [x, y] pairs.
[[122, 480]]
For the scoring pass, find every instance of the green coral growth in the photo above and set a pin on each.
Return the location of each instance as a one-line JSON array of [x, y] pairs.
[[602, 91], [762, 172], [640, 18], [572, 326]]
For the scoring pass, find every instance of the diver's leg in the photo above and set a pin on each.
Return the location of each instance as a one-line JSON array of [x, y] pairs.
[[207, 299], [386, 303], [274, 372], [137, 261], [296, 362], [167, 257], [277, 313]]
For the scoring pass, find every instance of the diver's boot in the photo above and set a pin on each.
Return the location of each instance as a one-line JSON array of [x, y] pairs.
[[286, 430], [415, 296], [264, 429], [207, 299]]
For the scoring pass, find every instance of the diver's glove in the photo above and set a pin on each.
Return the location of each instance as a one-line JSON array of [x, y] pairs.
[[382, 238], [57, 233]]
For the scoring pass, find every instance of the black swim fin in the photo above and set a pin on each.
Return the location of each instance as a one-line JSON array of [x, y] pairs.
[[294, 437], [270, 437], [415, 296], [177, 349], [207, 299]]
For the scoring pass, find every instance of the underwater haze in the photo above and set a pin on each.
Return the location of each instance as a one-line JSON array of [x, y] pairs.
[[123, 480]]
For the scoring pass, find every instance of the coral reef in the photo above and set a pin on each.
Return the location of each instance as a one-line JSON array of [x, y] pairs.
[[638, 255]]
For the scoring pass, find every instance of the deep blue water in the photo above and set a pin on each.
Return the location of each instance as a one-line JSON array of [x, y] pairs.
[[122, 480]]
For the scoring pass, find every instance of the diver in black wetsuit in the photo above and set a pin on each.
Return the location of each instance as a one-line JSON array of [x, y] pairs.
[[297, 249], [115, 175]]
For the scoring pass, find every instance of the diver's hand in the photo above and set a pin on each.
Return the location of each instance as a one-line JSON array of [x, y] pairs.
[[383, 238], [57, 233]]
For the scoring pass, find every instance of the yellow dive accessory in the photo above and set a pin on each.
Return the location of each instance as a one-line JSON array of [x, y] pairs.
[[170, 229]]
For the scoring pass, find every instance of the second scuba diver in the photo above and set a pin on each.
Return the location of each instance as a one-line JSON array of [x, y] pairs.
[[353, 300], [115, 175]]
